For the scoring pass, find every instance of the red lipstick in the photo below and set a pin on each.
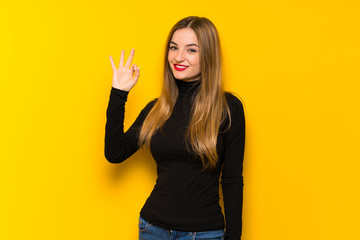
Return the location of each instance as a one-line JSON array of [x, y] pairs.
[[179, 67]]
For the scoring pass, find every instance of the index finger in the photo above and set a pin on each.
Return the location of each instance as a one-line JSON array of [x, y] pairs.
[[128, 62]]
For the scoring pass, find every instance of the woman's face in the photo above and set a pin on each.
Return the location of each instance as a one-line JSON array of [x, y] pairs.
[[184, 55]]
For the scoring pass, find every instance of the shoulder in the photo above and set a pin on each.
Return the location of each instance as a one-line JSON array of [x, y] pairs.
[[235, 103], [150, 105], [236, 123]]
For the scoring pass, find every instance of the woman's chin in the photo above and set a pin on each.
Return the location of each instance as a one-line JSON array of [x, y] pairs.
[[186, 78]]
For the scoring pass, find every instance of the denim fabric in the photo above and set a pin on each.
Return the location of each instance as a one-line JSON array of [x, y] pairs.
[[148, 231]]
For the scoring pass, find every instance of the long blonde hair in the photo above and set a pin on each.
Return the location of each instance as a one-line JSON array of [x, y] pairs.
[[210, 108]]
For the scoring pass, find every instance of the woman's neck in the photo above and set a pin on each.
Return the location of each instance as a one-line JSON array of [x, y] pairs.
[[187, 86], [192, 79]]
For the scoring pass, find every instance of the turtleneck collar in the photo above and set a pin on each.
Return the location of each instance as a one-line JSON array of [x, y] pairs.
[[187, 87]]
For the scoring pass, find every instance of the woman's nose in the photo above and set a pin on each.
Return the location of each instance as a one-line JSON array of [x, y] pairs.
[[179, 56]]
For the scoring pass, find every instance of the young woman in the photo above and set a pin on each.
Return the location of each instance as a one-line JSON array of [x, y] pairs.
[[195, 131]]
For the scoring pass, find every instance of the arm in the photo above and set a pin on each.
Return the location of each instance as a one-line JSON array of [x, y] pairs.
[[119, 145], [232, 179]]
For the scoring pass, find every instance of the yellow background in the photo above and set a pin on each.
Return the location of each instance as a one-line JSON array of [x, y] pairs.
[[295, 64]]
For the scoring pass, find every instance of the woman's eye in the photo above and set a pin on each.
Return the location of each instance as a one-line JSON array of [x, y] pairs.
[[192, 50], [172, 47]]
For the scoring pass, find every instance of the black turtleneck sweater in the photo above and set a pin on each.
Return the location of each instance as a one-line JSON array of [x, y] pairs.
[[184, 198]]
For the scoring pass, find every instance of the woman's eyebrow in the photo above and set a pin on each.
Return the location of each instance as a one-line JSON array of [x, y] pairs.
[[191, 44]]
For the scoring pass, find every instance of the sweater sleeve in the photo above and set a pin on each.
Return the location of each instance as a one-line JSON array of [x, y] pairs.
[[119, 146], [232, 179]]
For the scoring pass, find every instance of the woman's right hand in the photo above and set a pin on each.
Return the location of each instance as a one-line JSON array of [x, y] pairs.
[[125, 77]]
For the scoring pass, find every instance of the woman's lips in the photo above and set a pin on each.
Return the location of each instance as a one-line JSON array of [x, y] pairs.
[[179, 67]]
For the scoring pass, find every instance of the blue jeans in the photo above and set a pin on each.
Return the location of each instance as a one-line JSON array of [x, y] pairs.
[[148, 231]]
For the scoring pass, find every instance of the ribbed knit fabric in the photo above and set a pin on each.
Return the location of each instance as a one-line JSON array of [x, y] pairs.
[[184, 198]]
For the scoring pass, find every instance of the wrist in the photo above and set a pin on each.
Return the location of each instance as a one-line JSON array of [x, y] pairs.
[[121, 88]]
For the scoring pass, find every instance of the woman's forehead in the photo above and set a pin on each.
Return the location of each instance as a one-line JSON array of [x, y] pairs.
[[184, 36]]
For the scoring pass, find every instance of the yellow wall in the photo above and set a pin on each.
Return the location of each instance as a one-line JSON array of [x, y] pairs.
[[294, 63]]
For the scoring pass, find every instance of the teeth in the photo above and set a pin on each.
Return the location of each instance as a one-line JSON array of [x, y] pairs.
[[180, 66]]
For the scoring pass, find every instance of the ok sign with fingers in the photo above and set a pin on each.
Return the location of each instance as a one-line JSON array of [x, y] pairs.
[[125, 77]]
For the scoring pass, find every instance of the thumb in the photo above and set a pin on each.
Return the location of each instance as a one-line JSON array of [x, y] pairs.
[[137, 73]]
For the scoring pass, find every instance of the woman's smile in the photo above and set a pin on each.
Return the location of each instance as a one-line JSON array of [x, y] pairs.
[[179, 67]]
